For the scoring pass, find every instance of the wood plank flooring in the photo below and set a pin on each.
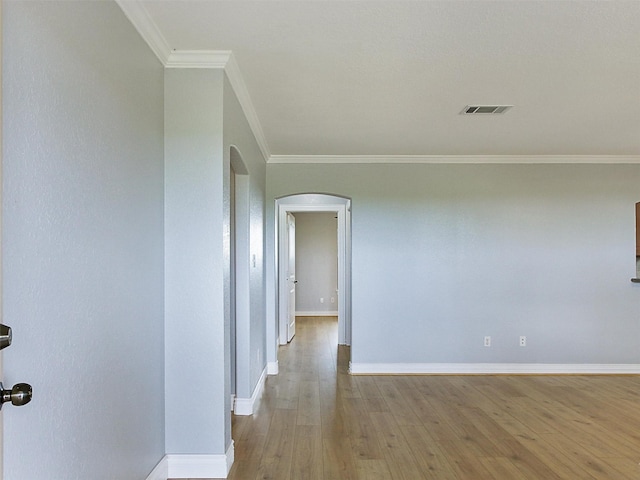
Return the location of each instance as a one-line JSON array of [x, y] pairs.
[[315, 421]]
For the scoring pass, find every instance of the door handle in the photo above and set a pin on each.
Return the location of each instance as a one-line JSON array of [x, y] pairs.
[[19, 395], [5, 336]]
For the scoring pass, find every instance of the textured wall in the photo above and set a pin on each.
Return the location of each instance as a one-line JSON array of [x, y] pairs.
[[198, 103], [194, 263], [82, 242], [251, 186], [445, 254]]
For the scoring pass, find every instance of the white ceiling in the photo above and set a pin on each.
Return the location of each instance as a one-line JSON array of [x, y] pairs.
[[390, 78]]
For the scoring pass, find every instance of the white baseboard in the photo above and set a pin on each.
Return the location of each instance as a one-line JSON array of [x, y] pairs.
[[245, 406], [317, 314], [194, 466], [273, 368], [233, 400], [161, 472], [200, 466], [492, 369]]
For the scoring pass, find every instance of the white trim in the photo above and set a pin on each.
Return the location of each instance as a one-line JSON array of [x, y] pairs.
[[245, 406], [200, 466], [314, 203], [198, 59], [138, 15], [240, 88], [332, 313], [233, 400], [161, 472], [230, 456], [603, 159], [273, 368], [491, 368], [224, 59]]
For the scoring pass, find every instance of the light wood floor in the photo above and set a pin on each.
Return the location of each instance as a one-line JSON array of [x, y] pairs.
[[317, 422]]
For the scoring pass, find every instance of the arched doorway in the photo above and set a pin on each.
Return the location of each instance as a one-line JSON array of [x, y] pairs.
[[314, 202]]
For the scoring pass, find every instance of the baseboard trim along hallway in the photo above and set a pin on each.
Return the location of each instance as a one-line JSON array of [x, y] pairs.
[[273, 368], [491, 369], [194, 466], [245, 406], [161, 472]]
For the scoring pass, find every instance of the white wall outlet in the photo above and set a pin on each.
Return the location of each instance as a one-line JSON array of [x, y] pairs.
[[321, 299], [333, 299], [523, 341], [487, 341]]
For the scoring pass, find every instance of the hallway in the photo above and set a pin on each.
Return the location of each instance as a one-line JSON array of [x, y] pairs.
[[317, 422]]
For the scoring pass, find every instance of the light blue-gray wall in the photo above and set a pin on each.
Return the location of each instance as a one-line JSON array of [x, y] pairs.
[[250, 210], [82, 242], [194, 262], [316, 262], [203, 121], [116, 222], [446, 254]]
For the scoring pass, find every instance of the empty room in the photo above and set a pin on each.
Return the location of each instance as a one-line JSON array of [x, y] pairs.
[[302, 240]]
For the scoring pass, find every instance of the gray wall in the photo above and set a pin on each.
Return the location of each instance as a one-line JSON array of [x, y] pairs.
[[446, 254], [250, 208], [194, 262], [316, 262], [82, 242], [198, 102]]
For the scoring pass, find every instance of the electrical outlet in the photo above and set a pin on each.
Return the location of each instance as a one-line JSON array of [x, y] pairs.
[[321, 300], [523, 341], [487, 341], [333, 299]]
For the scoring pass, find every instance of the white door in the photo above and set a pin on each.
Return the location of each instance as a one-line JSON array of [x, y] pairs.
[[291, 275]]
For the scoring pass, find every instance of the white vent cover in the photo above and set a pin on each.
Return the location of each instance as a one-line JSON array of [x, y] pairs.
[[485, 109]]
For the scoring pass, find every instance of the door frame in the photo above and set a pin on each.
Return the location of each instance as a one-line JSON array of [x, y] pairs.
[[315, 203], [1, 235], [239, 335]]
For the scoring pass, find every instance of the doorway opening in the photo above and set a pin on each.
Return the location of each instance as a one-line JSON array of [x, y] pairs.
[[286, 207], [239, 271]]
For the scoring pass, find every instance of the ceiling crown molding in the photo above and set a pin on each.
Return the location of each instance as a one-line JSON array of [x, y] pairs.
[[198, 59], [138, 15], [454, 159], [224, 59], [240, 88], [146, 27]]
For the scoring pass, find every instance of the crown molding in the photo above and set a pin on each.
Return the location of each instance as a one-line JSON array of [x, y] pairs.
[[454, 159], [225, 60], [240, 88], [138, 15], [198, 59], [146, 27]]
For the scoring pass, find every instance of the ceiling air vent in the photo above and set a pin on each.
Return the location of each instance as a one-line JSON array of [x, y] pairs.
[[485, 109]]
